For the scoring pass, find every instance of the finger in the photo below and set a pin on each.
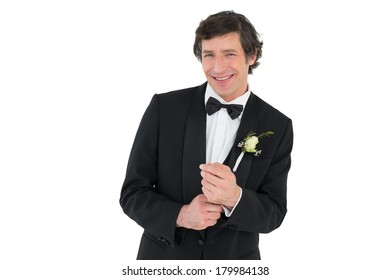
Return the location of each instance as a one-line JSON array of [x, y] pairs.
[[209, 186], [214, 216], [201, 197], [208, 194], [210, 178], [216, 169], [211, 222], [210, 206], [214, 208]]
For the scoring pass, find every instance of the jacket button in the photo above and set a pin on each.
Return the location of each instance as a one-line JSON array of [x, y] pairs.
[[200, 242], [163, 240]]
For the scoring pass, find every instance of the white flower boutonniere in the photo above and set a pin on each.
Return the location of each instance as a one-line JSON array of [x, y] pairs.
[[248, 145]]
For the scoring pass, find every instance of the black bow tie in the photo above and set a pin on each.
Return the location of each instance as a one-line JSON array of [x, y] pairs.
[[213, 105]]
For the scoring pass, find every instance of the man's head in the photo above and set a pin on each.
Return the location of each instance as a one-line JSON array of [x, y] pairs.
[[226, 22], [229, 48]]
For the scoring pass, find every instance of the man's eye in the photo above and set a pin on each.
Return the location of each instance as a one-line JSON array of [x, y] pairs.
[[208, 55]]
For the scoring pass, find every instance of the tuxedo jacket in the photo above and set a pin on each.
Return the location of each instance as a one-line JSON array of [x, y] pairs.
[[163, 174]]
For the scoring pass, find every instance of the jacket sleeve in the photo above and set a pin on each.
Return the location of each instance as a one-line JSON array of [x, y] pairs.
[[263, 210], [139, 198]]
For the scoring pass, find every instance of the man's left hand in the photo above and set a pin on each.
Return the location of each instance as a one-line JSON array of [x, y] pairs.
[[219, 184]]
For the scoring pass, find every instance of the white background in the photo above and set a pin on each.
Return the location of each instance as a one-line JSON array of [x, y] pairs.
[[76, 77]]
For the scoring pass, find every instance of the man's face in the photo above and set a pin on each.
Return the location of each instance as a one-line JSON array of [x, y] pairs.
[[225, 65]]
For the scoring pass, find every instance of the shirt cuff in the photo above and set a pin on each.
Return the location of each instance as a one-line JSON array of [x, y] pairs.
[[229, 212]]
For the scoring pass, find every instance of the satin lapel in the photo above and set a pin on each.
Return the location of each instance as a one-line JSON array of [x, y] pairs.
[[248, 124], [194, 151]]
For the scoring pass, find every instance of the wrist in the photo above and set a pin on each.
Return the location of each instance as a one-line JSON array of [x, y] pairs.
[[234, 199], [180, 216]]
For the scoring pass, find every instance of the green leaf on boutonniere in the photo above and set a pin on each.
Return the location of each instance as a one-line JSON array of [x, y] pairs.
[[249, 145]]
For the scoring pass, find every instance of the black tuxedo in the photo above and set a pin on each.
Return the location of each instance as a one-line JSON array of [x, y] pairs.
[[163, 174]]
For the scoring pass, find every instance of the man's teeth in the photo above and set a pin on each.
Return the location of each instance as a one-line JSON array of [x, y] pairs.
[[223, 78]]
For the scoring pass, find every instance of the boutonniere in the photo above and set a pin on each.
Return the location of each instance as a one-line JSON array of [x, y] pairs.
[[248, 145]]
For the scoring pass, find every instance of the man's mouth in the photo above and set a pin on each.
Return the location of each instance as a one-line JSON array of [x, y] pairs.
[[223, 78]]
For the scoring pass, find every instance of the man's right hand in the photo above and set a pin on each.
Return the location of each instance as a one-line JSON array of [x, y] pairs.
[[199, 214]]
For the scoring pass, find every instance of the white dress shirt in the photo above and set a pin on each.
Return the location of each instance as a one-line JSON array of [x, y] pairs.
[[221, 132]]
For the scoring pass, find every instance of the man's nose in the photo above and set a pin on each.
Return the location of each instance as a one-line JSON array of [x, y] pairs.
[[220, 64]]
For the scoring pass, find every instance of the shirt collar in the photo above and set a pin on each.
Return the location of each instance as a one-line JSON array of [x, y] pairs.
[[241, 100]]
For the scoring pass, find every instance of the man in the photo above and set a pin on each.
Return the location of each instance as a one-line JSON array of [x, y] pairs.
[[196, 193]]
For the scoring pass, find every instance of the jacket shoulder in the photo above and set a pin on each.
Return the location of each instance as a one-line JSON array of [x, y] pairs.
[[180, 94], [174, 105], [268, 109]]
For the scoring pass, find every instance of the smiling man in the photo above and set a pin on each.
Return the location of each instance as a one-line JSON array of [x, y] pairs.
[[199, 179]]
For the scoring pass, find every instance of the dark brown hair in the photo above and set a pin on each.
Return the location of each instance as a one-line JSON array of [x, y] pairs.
[[226, 22]]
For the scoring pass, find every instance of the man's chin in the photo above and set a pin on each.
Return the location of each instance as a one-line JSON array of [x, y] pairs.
[[221, 91]]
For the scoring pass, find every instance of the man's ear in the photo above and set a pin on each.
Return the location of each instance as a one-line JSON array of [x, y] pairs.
[[252, 58]]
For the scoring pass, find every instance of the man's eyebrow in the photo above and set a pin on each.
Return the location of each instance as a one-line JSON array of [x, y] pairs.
[[224, 51], [229, 50]]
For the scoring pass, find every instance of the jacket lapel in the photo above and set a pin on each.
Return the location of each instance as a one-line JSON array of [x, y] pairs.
[[248, 124], [194, 150]]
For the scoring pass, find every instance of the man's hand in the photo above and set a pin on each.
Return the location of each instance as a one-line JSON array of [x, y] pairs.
[[199, 214], [219, 184]]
